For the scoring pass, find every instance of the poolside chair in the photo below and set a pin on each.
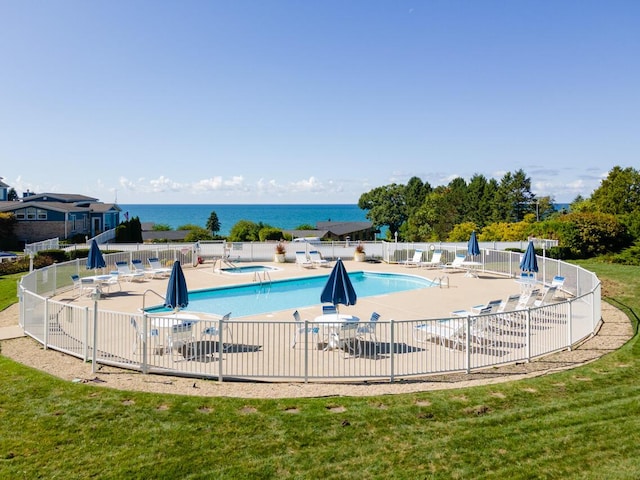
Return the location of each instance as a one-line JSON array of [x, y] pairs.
[[157, 268], [303, 261], [448, 333], [214, 330], [435, 261], [329, 310], [179, 338], [527, 300], [547, 297], [348, 340], [493, 305], [415, 261], [301, 328], [152, 334], [316, 259], [457, 263], [368, 329], [138, 266], [82, 285], [558, 282], [125, 272]]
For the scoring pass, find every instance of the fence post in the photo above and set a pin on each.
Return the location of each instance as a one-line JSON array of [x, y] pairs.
[[467, 338], [86, 334], [145, 342], [528, 335], [570, 324], [95, 336], [392, 326], [220, 347], [306, 351], [46, 323]]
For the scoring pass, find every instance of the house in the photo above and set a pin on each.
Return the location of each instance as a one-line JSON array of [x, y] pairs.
[[4, 191], [338, 231], [151, 235], [60, 215]]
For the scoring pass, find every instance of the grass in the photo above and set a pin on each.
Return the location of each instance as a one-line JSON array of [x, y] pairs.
[[9, 289], [582, 423]]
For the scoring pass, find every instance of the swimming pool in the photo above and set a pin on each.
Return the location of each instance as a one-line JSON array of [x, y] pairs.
[[249, 269], [255, 299]]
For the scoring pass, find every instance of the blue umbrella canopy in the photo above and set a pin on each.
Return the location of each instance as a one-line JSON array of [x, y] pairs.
[[529, 262], [339, 289], [95, 258], [473, 248], [177, 294]]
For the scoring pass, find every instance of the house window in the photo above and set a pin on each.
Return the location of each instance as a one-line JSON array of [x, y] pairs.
[[42, 214], [20, 215], [31, 213]]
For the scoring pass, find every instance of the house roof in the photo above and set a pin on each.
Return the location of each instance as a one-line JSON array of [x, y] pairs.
[[343, 228], [59, 206], [306, 233], [2, 184], [60, 197]]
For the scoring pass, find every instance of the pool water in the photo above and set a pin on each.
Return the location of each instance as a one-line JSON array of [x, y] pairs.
[[249, 269], [255, 299]]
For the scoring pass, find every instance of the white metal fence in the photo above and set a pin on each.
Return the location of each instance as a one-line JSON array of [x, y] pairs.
[[211, 347]]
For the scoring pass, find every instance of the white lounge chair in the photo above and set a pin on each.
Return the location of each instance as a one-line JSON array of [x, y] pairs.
[[157, 267], [457, 263], [547, 297], [153, 334], [435, 261], [214, 330], [416, 260], [125, 272], [316, 259], [303, 261]]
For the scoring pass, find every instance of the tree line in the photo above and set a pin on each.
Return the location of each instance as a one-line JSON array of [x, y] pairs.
[[608, 222]]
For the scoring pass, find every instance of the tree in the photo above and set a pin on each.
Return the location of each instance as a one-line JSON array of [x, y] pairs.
[[514, 198], [12, 195], [213, 224], [197, 233], [245, 231], [619, 193], [386, 206], [8, 222]]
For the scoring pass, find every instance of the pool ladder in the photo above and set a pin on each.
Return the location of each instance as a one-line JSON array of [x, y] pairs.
[[442, 281], [263, 280]]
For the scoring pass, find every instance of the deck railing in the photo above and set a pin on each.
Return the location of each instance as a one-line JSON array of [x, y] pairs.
[[243, 349]]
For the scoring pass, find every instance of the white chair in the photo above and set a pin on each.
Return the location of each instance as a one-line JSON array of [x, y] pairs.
[[415, 261], [368, 329], [547, 297], [558, 282], [435, 261], [348, 340], [300, 328], [316, 259], [82, 285], [457, 263], [153, 334], [214, 330], [125, 272], [138, 267], [157, 268], [180, 336], [303, 261]]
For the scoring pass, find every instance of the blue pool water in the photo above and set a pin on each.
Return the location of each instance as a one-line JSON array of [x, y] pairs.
[[255, 299], [249, 269]]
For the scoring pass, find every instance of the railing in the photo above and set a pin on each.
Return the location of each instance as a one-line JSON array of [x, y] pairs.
[[51, 244], [242, 349], [104, 237]]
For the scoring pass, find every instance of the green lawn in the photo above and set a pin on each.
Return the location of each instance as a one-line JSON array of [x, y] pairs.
[[582, 423]]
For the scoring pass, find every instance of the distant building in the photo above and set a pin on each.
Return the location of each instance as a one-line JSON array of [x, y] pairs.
[[4, 191], [340, 231], [59, 215]]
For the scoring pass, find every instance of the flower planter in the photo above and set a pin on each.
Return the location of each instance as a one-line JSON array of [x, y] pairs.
[[359, 256], [279, 258]]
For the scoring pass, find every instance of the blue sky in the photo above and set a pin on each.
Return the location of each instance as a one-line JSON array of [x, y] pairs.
[[314, 102]]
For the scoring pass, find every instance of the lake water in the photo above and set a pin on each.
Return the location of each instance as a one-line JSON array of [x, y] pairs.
[[286, 217]]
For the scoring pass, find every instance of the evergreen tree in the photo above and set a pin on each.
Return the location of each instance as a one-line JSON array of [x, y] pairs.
[[213, 224]]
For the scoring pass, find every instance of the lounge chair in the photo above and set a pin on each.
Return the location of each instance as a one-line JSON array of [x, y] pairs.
[[558, 282], [547, 297], [157, 268], [125, 272], [214, 330], [316, 259], [415, 261], [457, 263], [435, 261], [368, 329], [82, 285], [153, 334], [303, 261], [138, 267], [180, 336]]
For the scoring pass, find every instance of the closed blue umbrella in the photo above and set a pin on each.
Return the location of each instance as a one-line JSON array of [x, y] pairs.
[[95, 258], [339, 289], [177, 293], [529, 262], [473, 248]]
